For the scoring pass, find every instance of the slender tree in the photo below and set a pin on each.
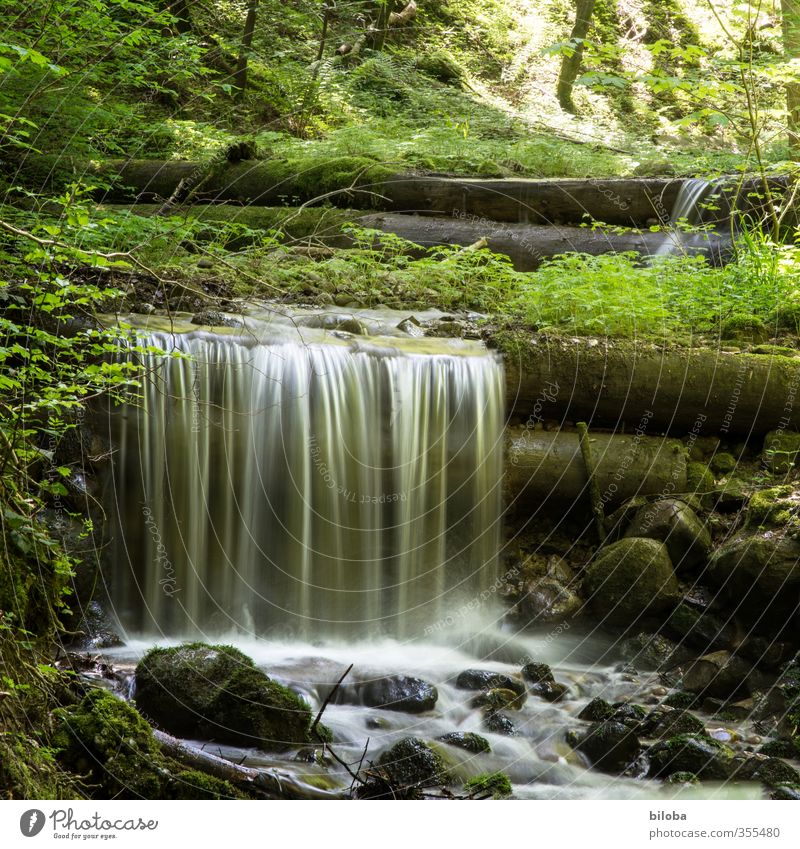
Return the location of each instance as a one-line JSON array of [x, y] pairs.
[[571, 62], [240, 75], [790, 23]]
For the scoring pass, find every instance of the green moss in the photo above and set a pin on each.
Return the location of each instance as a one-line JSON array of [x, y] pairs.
[[217, 692], [490, 785], [105, 737], [774, 351], [722, 463], [699, 479], [781, 450], [770, 506], [467, 740], [192, 784], [414, 763], [683, 778], [744, 327]]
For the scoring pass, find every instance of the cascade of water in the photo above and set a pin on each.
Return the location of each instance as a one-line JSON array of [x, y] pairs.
[[305, 490], [693, 194]]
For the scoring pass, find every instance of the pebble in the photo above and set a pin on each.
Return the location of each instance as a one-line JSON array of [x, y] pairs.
[[753, 740], [660, 691]]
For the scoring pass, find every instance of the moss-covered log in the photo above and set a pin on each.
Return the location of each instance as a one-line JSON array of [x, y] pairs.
[[549, 466], [365, 184], [625, 385]]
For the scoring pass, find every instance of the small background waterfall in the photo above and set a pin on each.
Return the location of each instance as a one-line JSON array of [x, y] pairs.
[[690, 210], [298, 491]]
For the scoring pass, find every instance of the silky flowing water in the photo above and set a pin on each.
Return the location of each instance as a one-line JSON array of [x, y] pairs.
[[320, 499]]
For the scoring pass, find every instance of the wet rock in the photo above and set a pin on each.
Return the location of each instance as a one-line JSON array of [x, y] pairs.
[[467, 740], [334, 321], [681, 700], [779, 749], [692, 753], [213, 318], [770, 771], [547, 600], [781, 451], [718, 675], [699, 628], [447, 329], [550, 691], [686, 778], [760, 574], [597, 710], [498, 699], [484, 679], [786, 792], [536, 673], [98, 628], [766, 653], [664, 722], [674, 523], [398, 692], [342, 299], [628, 714], [610, 746], [499, 723], [629, 579], [412, 762], [651, 652], [411, 326], [216, 692], [619, 521]]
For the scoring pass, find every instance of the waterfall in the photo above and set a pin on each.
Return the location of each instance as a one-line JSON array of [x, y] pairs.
[[688, 210], [304, 490]]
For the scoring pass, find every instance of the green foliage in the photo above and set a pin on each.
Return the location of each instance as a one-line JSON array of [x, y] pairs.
[[489, 785]]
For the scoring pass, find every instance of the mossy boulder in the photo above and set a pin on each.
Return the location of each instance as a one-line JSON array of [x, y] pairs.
[[693, 753], [216, 692], [630, 579], [673, 522], [775, 506], [489, 785], [413, 763], [652, 652], [403, 693], [610, 746], [770, 771], [485, 679], [597, 710], [760, 574], [498, 699], [699, 479], [537, 673], [664, 722], [469, 741], [722, 463], [699, 628], [781, 451], [547, 600], [106, 738]]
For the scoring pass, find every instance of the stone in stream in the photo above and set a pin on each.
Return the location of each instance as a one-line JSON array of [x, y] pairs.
[[770, 771], [718, 675], [485, 679], [499, 723], [536, 673], [596, 710], [216, 692], [413, 763], [673, 522], [498, 699], [467, 740], [664, 722], [610, 746], [692, 753], [630, 579], [398, 692], [759, 574]]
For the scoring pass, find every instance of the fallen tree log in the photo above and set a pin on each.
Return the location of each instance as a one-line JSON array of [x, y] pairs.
[[548, 466], [363, 184], [275, 783], [528, 245], [622, 385]]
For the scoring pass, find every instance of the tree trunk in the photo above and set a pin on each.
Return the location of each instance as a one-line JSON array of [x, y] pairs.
[[240, 77], [179, 9], [570, 64], [791, 47]]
